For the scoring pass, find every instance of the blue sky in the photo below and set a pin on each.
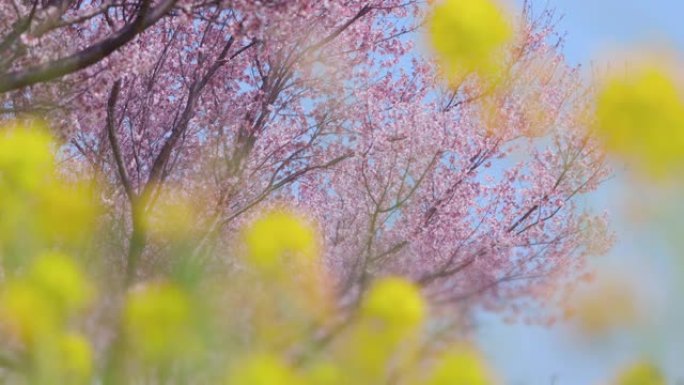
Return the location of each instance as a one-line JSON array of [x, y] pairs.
[[529, 355], [594, 26]]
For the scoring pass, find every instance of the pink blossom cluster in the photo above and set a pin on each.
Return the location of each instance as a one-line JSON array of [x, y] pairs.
[[472, 190]]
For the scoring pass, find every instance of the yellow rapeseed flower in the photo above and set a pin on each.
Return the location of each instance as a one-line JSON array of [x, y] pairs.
[[386, 333], [469, 36], [276, 235], [67, 212], [158, 321], [641, 373], [174, 216], [37, 305], [263, 369], [27, 311], [641, 117], [62, 281], [396, 302], [39, 209], [326, 373], [461, 365], [25, 157], [76, 357]]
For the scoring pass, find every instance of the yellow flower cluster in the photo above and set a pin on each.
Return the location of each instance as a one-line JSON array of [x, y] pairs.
[[44, 288], [157, 320], [469, 37], [264, 369], [278, 235], [640, 373], [608, 306], [36, 308], [387, 331], [26, 157], [39, 209], [641, 117], [383, 339], [273, 322], [460, 366], [396, 302], [173, 217]]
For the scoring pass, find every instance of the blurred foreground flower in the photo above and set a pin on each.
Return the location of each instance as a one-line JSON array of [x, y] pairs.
[[25, 157], [282, 250], [37, 308], [39, 209], [611, 305], [274, 321], [469, 36], [640, 373], [263, 369], [158, 322], [277, 235], [41, 302], [394, 302], [460, 365], [77, 355], [62, 279], [385, 338], [641, 118]]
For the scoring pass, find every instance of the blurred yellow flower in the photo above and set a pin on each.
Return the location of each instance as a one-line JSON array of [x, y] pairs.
[[469, 36], [461, 365], [276, 235], [263, 369], [26, 311], [326, 373], [641, 117], [174, 216], [66, 212], [640, 373], [612, 304], [39, 209], [25, 157], [76, 357], [369, 355], [158, 321], [61, 281], [37, 305], [395, 301], [385, 336]]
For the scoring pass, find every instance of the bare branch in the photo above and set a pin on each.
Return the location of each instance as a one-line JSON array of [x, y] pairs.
[[88, 56]]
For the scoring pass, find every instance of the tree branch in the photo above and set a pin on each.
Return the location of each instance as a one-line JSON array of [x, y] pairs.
[[114, 141], [88, 56]]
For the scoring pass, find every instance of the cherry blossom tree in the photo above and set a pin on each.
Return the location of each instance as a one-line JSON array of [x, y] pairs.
[[471, 188]]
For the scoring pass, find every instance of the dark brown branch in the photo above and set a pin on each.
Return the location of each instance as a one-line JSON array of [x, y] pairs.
[[20, 27], [362, 12], [88, 56], [114, 141]]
